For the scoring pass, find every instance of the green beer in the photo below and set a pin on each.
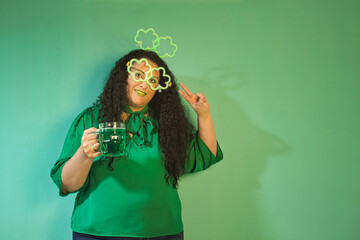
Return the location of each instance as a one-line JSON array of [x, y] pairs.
[[112, 139]]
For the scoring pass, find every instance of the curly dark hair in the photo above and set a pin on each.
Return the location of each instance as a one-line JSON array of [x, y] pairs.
[[166, 108]]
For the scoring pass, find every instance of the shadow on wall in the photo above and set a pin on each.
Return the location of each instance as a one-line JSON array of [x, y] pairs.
[[246, 148]]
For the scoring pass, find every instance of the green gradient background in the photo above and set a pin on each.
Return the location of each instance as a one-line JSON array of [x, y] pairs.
[[282, 78]]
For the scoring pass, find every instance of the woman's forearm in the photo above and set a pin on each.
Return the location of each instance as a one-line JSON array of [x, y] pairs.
[[207, 131], [75, 171], [201, 106]]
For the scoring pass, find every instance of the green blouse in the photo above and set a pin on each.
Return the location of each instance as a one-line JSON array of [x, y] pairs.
[[133, 200]]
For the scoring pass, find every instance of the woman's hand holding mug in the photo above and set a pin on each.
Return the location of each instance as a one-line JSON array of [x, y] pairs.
[[90, 142]]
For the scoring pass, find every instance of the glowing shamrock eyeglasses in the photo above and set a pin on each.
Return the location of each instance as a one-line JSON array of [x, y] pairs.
[[148, 76]]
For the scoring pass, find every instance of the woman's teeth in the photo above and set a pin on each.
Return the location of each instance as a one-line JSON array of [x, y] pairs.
[[140, 93]]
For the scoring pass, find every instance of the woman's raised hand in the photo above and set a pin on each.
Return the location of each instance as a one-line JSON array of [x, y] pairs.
[[197, 101], [90, 143]]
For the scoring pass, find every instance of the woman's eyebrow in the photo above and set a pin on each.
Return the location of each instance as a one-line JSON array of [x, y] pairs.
[[138, 70]]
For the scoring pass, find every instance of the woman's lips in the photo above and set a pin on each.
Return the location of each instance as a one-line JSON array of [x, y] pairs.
[[140, 93]]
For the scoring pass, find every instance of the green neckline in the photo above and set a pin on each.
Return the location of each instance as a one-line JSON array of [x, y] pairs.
[[142, 127]]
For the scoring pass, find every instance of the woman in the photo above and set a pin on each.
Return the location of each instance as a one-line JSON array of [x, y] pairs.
[[135, 197]]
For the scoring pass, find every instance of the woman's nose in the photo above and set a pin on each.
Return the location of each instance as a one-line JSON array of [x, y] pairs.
[[144, 85]]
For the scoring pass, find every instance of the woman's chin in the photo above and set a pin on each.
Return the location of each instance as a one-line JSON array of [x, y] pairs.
[[137, 104]]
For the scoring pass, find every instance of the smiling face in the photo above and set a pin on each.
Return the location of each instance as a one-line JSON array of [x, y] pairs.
[[139, 93]]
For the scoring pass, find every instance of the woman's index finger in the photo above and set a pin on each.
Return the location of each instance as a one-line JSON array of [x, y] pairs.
[[91, 130], [188, 92], [184, 95]]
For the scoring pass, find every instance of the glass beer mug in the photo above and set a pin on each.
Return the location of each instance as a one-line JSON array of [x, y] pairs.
[[112, 139]]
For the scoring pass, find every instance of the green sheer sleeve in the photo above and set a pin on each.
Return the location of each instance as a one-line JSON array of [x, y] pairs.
[[72, 142], [199, 156]]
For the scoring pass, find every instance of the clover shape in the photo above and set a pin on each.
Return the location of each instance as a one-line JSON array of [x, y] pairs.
[[159, 87], [157, 43], [145, 32], [133, 73]]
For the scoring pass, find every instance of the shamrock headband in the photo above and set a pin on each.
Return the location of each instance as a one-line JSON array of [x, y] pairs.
[[156, 41], [140, 76]]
